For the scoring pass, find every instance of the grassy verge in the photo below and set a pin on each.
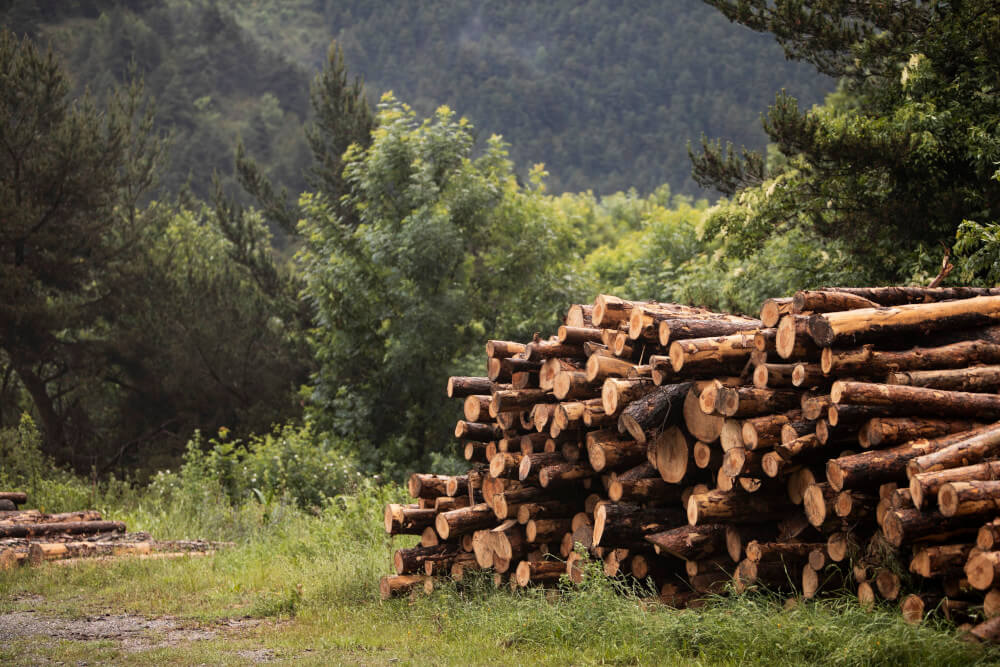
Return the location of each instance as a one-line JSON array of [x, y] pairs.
[[311, 582]]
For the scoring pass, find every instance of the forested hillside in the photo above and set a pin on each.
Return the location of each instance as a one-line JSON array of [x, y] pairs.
[[607, 95]]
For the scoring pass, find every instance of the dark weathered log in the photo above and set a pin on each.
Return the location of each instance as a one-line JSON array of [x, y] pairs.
[[506, 464], [925, 486], [790, 553], [941, 560], [411, 561], [481, 432], [866, 361], [691, 542], [650, 414], [888, 584], [972, 498], [460, 387], [987, 631], [686, 328], [16, 497], [976, 446], [911, 525], [67, 527], [564, 473], [851, 325], [918, 400], [828, 301], [883, 431], [976, 379], [626, 521]]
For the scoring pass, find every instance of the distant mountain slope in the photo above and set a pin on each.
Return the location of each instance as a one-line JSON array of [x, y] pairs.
[[605, 93]]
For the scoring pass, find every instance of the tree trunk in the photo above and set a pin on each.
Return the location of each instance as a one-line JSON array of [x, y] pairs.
[[828, 301], [883, 431], [650, 414], [722, 352], [866, 361], [461, 521], [923, 318], [973, 498], [735, 507], [974, 447], [684, 329], [66, 527], [691, 542], [918, 400], [976, 379], [925, 485]]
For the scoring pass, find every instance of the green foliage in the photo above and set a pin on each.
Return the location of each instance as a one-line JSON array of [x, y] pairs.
[[438, 259], [894, 162], [606, 94]]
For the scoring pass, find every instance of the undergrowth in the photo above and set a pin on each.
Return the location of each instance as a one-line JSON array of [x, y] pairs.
[[315, 571]]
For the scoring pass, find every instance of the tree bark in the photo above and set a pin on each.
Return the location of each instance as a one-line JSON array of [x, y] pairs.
[[974, 447], [918, 400], [650, 414], [66, 527], [866, 361], [925, 485], [684, 328], [923, 318], [973, 498], [828, 301]]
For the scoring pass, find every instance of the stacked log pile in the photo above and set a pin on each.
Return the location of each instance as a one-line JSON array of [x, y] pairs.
[[31, 537], [846, 438]]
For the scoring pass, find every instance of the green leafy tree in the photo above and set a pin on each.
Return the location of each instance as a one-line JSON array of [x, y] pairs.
[[447, 248], [898, 158], [71, 176]]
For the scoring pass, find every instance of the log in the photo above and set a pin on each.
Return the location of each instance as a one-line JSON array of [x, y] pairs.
[[16, 497], [882, 431], [610, 454], [814, 580], [67, 527], [705, 456], [740, 462], [987, 631], [617, 393], [975, 447], [478, 431], [552, 367], [983, 570], [918, 400], [828, 301], [515, 400], [610, 311], [34, 516], [773, 309], [546, 530], [840, 546], [392, 585], [39, 552], [787, 552], [911, 525], [818, 503], [421, 485], [626, 521], [742, 402], [578, 335], [530, 464], [972, 498], [792, 340], [538, 572], [814, 407], [705, 428], [476, 408], [722, 352], [652, 489], [649, 414], [564, 473], [765, 431], [939, 561], [411, 561], [501, 349], [460, 387], [580, 315], [898, 296], [546, 509], [541, 350], [988, 537], [735, 507], [927, 484], [830, 328], [573, 385], [672, 454], [686, 328], [599, 368], [866, 361], [465, 520], [691, 542], [872, 468], [980, 379]]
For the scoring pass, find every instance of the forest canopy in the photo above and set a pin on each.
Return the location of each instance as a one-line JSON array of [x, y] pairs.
[[319, 255]]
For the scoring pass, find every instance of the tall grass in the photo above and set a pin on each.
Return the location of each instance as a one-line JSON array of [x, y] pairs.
[[316, 569]]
